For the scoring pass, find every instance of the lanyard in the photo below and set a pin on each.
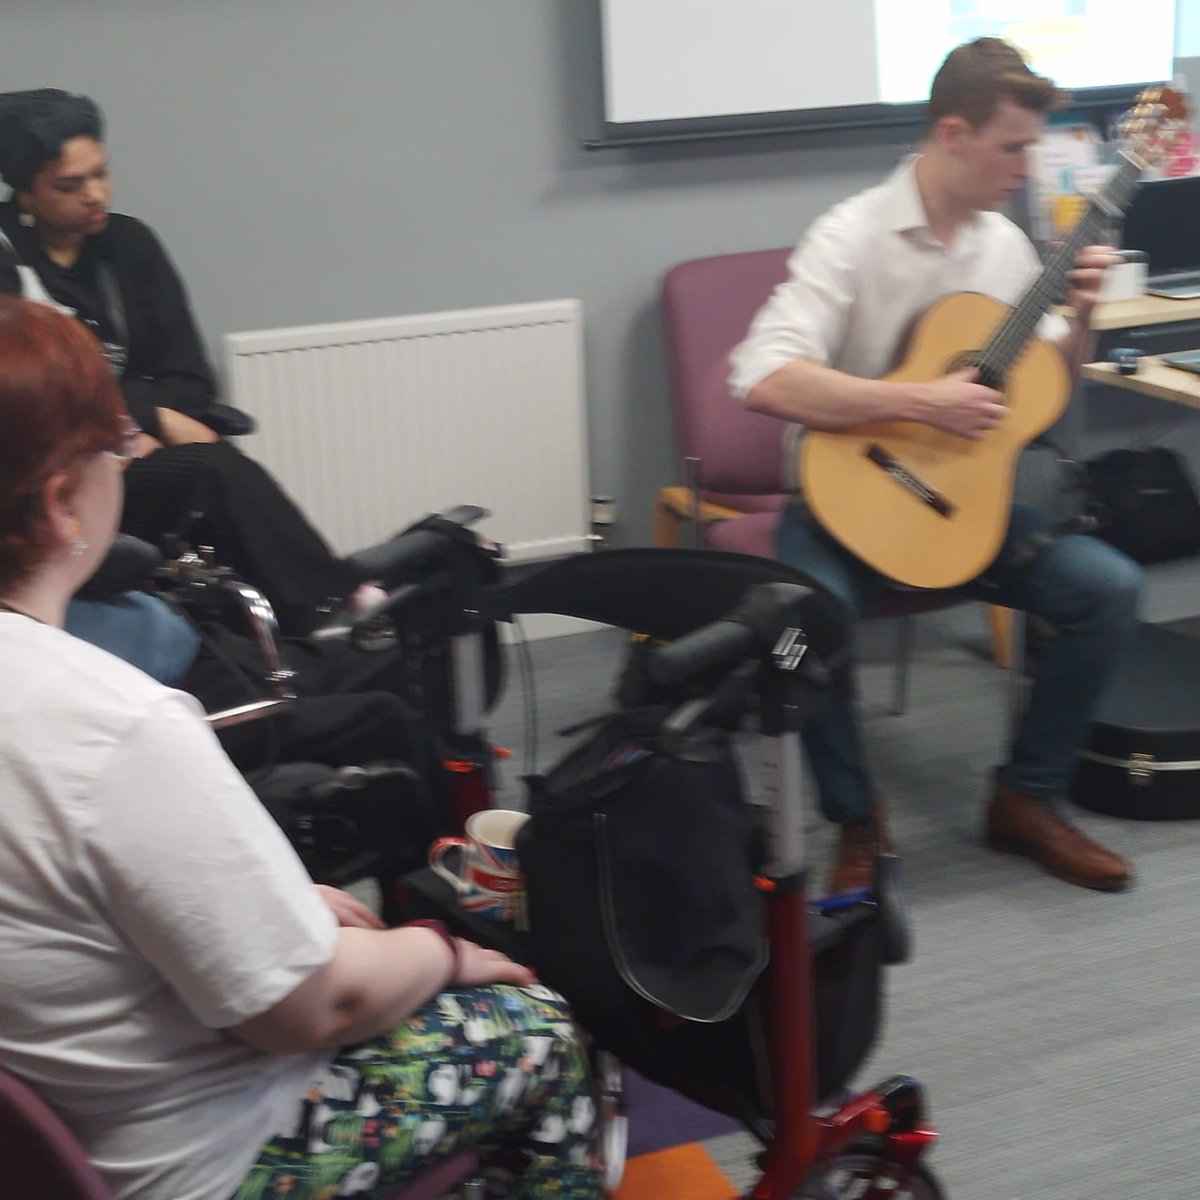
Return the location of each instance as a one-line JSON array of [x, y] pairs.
[[32, 288]]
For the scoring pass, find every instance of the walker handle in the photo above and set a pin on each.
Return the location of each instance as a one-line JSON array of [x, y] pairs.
[[751, 630]]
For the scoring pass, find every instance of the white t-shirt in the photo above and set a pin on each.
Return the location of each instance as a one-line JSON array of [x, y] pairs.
[[866, 270], [147, 902]]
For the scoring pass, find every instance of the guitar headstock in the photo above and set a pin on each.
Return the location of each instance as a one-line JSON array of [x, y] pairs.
[[1151, 127]]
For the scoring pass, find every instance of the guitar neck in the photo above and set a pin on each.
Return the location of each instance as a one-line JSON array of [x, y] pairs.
[[1005, 347]]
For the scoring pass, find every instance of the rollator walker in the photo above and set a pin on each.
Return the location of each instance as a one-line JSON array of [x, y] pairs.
[[731, 637]]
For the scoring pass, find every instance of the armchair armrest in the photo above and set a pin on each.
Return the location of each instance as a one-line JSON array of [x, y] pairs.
[[227, 420], [129, 564], [673, 505]]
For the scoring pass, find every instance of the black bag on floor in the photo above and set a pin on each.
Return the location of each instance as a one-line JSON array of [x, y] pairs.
[[1143, 503], [639, 863]]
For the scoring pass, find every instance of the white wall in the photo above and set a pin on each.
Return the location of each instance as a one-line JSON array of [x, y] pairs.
[[314, 160]]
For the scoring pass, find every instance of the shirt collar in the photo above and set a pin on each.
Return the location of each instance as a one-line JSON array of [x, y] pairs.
[[905, 208]]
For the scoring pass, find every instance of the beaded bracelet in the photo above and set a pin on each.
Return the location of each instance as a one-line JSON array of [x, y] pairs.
[[451, 941]]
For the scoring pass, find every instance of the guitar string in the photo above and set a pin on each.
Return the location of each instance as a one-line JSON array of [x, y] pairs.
[[1010, 339]]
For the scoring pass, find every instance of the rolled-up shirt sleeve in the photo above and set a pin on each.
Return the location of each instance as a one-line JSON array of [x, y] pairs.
[[868, 269], [806, 316]]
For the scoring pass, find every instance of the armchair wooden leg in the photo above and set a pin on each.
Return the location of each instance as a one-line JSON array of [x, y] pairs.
[[666, 525], [1000, 629]]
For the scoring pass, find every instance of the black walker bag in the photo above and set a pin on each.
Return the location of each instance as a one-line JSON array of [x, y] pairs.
[[1143, 503], [639, 863], [1143, 759]]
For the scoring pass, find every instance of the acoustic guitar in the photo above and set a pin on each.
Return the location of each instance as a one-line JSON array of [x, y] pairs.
[[929, 509]]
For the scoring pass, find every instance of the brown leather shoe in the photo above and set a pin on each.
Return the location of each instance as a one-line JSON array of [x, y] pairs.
[[1019, 824], [859, 843]]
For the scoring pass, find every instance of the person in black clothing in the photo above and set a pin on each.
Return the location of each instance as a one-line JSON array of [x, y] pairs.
[[60, 244]]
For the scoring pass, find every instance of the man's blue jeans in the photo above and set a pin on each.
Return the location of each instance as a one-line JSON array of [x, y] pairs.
[[1086, 590]]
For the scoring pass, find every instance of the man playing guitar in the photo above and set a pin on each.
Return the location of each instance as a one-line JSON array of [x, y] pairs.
[[814, 356]]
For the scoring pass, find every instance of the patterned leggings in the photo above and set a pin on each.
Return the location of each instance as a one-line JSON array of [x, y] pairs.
[[497, 1068]]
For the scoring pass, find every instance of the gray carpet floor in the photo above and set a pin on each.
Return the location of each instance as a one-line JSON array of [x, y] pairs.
[[1053, 1027]]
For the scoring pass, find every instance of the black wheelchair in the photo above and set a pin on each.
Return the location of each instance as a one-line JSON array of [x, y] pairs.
[[356, 738]]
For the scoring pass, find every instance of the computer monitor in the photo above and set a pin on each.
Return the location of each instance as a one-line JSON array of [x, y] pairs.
[[1164, 221]]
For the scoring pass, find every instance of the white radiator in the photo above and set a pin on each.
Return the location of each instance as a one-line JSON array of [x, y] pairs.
[[372, 424]]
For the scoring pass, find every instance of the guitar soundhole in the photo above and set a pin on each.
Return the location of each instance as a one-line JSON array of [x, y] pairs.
[[972, 360]]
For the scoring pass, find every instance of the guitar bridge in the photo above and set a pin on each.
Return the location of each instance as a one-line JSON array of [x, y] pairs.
[[910, 480]]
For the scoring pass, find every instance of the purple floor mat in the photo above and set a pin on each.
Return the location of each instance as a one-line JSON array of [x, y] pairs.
[[659, 1117]]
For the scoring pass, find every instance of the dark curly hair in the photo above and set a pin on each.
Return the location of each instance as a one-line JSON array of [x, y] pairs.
[[35, 124], [59, 404]]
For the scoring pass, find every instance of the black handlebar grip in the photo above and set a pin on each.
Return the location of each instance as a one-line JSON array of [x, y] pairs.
[[127, 565], [708, 647], [464, 514], [751, 628], [401, 596], [405, 552]]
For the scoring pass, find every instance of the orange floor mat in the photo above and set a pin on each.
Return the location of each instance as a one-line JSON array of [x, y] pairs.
[[680, 1173]]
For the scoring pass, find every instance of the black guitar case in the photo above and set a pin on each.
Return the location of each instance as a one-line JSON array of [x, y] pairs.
[[1143, 760]]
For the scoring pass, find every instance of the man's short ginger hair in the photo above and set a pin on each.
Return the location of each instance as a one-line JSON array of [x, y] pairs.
[[976, 76]]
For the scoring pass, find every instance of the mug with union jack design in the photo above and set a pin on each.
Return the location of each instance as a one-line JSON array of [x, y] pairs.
[[488, 878]]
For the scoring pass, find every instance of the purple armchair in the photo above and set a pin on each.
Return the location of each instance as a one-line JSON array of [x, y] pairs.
[[737, 456]]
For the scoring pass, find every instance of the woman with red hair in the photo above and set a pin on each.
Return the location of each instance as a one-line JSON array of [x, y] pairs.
[[208, 1022]]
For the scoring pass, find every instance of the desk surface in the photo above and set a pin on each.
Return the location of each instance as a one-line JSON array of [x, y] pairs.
[[1152, 378], [1143, 310]]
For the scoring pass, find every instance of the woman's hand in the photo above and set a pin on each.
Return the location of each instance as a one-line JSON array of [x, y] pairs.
[[350, 913], [178, 429], [477, 966]]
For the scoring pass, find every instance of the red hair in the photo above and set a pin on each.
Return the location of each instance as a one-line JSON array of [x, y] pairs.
[[59, 404]]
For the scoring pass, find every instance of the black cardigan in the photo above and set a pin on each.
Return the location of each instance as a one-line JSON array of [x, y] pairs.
[[166, 367]]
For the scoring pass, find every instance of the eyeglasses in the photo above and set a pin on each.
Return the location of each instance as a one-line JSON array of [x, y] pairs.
[[126, 450]]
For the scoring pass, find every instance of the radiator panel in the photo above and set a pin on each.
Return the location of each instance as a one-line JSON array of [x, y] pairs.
[[371, 424]]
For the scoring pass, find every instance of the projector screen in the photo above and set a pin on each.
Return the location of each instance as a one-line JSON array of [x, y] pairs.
[[696, 60]]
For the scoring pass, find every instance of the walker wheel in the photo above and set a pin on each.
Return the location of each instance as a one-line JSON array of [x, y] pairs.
[[614, 1125], [864, 1176]]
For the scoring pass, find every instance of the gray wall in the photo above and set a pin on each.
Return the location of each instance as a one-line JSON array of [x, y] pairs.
[[317, 160]]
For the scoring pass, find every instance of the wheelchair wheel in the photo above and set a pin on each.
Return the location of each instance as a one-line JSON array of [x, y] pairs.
[[850, 1177]]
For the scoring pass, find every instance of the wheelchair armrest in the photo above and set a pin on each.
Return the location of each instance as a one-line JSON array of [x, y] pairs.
[[200, 580], [243, 713], [128, 564], [227, 420], [261, 618]]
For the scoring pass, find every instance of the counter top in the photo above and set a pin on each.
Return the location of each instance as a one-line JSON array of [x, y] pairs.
[[1152, 378], [1141, 310]]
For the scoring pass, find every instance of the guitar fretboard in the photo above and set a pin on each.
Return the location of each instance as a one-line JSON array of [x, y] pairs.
[[997, 358]]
